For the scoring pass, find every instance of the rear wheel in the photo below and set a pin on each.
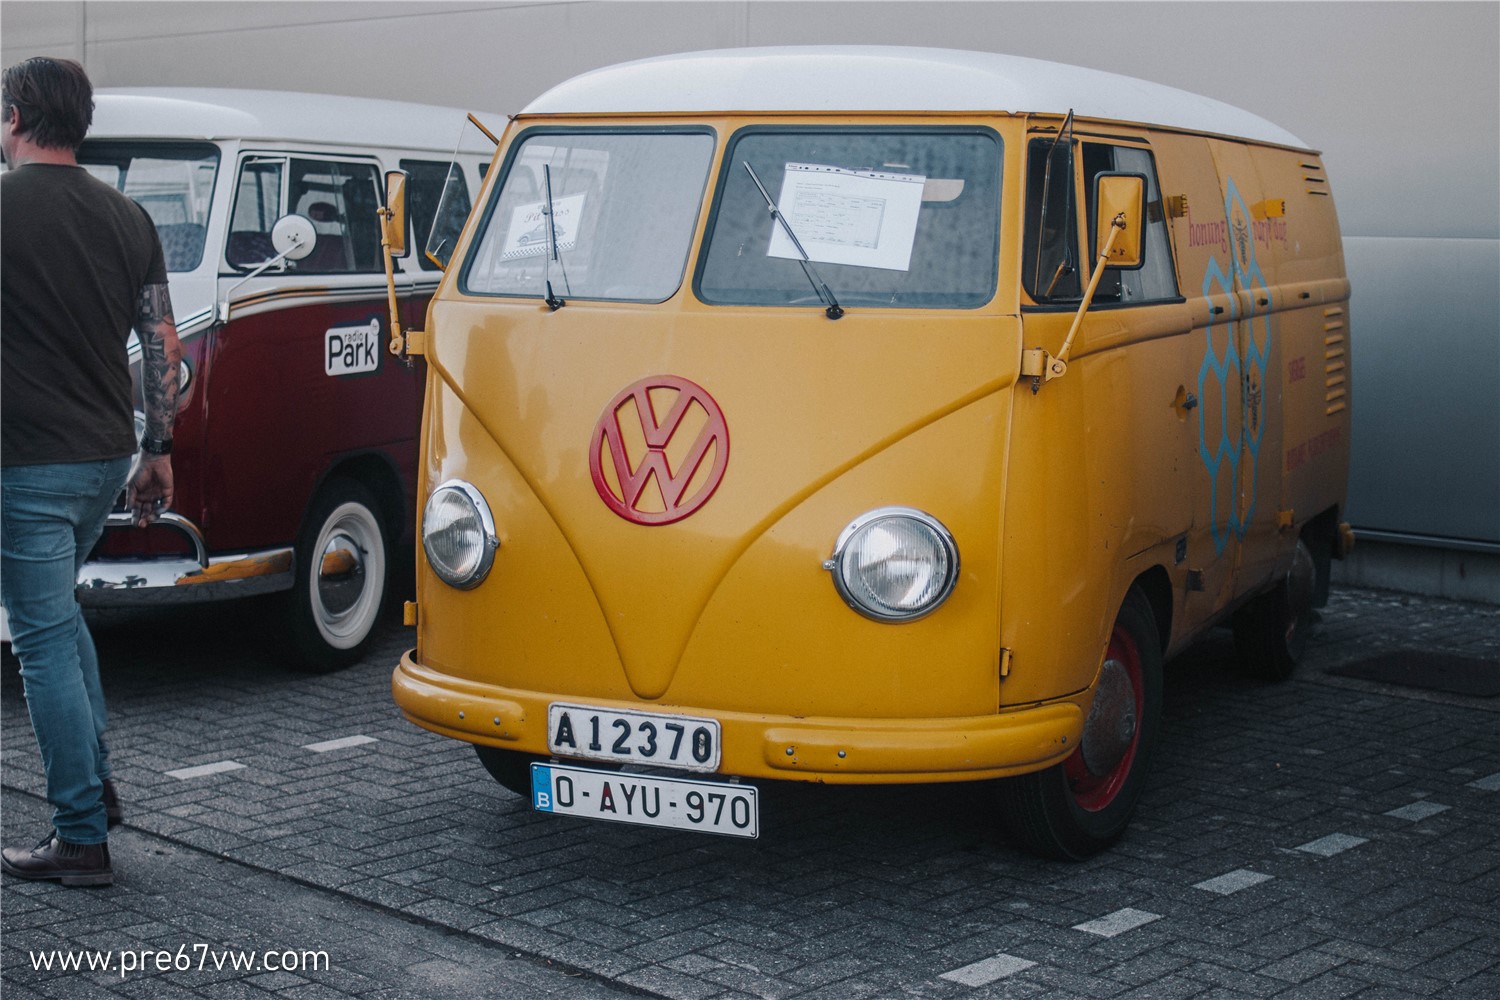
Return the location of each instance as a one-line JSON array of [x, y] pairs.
[[1081, 806], [343, 569], [1270, 633]]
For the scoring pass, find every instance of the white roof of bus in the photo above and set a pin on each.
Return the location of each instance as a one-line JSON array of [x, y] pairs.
[[889, 78], [207, 113]]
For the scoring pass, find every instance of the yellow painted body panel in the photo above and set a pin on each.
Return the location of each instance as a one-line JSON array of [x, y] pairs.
[[1059, 500]]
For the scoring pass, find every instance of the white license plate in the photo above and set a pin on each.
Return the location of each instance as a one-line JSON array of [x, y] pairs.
[[646, 800], [625, 737]]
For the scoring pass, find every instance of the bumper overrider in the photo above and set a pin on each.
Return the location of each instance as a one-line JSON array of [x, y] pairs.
[[834, 750], [184, 579]]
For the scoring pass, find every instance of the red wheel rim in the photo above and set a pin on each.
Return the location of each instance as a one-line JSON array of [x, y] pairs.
[[1093, 792]]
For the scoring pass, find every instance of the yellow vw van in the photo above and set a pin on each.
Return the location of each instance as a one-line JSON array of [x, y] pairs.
[[852, 414]]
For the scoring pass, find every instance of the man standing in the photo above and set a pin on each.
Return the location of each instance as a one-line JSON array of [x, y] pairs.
[[80, 264]]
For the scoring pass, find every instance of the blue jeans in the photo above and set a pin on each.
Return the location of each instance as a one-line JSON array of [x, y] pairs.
[[52, 516]]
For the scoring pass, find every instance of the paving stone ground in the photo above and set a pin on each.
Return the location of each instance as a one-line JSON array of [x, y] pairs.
[[1322, 837]]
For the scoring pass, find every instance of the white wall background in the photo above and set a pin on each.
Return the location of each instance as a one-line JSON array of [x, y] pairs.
[[1403, 99]]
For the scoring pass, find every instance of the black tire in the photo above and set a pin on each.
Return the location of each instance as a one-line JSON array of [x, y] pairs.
[[343, 577], [1077, 808], [511, 768], [1270, 633]]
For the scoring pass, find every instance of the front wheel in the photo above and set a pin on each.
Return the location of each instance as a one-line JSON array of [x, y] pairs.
[[511, 768], [343, 571], [1081, 806]]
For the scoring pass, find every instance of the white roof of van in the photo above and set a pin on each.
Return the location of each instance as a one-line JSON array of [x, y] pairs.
[[891, 78], [210, 113]]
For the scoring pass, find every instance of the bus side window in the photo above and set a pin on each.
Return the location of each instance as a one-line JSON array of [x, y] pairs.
[[341, 200], [257, 206]]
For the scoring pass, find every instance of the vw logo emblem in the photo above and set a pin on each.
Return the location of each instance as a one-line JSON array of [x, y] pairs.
[[659, 450]]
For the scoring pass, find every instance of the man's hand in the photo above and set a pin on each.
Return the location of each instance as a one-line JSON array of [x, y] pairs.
[[151, 489]]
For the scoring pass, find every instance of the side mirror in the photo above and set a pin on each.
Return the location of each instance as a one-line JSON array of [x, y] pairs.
[[293, 237], [393, 215], [1120, 219]]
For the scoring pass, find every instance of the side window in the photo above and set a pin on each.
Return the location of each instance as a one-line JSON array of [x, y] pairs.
[[1054, 271], [1156, 279], [257, 206], [437, 199], [341, 199]]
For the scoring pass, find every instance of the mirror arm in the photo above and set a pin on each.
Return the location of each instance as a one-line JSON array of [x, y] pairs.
[[1035, 363], [398, 334], [223, 310]]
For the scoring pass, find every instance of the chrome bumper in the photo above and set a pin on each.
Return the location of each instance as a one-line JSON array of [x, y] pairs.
[[182, 580]]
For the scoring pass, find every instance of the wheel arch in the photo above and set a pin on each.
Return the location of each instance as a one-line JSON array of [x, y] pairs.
[[1156, 585], [376, 471]]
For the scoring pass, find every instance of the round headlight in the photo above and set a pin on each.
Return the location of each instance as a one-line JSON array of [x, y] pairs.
[[895, 564], [458, 534]]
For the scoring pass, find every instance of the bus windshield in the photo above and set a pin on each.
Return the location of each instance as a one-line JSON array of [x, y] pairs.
[[593, 214]]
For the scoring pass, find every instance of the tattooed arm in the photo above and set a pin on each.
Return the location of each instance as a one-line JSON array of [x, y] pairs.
[[161, 358]]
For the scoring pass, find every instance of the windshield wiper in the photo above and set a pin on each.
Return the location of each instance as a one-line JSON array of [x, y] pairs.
[[825, 294], [553, 302]]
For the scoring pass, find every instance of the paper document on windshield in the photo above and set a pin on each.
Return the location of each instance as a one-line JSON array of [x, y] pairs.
[[865, 218]]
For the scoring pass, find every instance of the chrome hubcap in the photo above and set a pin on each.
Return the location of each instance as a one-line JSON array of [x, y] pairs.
[[341, 574]]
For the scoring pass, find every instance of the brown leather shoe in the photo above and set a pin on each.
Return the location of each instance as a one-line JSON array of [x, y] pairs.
[[56, 860], [113, 814]]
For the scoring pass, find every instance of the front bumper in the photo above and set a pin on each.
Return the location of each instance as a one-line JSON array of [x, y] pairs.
[[835, 750], [144, 581]]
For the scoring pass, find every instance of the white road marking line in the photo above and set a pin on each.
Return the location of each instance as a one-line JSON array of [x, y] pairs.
[[1231, 882], [1118, 922], [1418, 811], [204, 770], [1334, 843], [987, 971], [339, 744]]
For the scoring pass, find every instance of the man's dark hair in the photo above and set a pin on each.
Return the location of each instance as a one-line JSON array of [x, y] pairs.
[[55, 99]]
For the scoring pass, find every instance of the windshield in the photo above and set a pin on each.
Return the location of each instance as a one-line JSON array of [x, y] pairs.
[[173, 182], [623, 207], [897, 217]]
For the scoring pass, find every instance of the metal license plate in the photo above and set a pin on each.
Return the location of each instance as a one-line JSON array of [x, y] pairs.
[[646, 800], [625, 737]]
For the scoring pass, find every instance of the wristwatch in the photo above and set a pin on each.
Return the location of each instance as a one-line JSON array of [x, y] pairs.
[[156, 446]]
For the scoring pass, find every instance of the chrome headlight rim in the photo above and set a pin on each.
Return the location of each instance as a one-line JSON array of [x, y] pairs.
[[490, 542], [887, 615]]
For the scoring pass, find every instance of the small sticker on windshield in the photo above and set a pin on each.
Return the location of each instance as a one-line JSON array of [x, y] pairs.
[[527, 234]]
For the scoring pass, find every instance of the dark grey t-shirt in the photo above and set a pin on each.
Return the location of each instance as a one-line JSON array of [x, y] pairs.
[[74, 256]]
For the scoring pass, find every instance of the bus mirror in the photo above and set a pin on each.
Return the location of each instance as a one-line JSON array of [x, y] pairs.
[[1120, 222], [393, 215]]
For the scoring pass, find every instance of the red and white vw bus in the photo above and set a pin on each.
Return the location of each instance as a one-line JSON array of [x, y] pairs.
[[296, 440]]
